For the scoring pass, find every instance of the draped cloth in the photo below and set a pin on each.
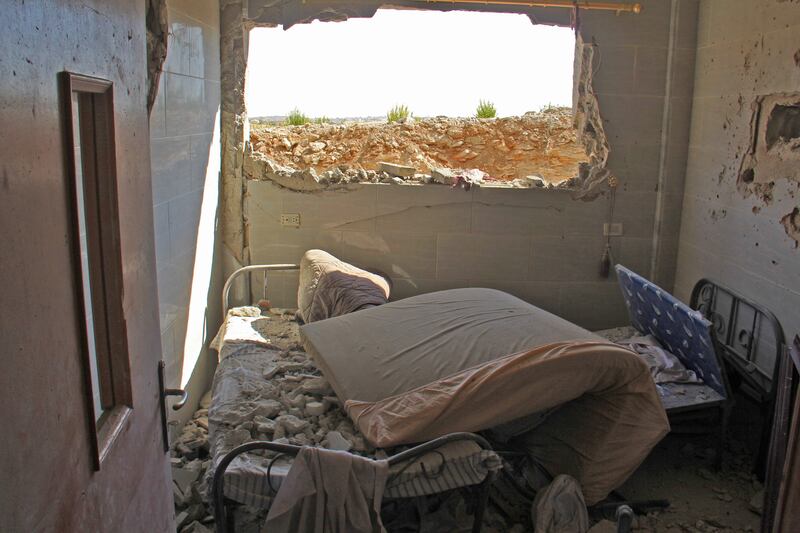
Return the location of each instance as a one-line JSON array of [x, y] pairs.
[[328, 491]]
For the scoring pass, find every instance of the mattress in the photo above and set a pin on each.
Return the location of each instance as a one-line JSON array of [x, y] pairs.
[[470, 359], [387, 350]]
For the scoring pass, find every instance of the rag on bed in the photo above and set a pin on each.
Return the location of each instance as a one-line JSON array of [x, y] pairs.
[[328, 491], [664, 366]]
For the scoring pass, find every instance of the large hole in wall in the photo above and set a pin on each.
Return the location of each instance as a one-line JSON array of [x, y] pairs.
[[783, 125], [321, 96]]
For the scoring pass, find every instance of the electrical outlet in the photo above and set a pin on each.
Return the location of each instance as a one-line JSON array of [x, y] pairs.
[[612, 230], [290, 219]]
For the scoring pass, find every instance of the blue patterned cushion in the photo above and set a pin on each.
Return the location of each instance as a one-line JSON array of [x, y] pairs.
[[681, 330]]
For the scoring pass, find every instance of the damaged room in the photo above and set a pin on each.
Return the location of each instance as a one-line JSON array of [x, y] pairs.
[[351, 266]]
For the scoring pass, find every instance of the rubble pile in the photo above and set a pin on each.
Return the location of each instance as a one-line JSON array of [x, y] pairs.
[[536, 149], [190, 461]]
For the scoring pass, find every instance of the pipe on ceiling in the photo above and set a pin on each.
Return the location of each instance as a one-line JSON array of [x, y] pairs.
[[571, 4]]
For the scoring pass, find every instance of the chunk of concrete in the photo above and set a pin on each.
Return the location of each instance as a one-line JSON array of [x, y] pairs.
[[315, 409], [335, 441], [444, 176], [291, 424], [400, 171]]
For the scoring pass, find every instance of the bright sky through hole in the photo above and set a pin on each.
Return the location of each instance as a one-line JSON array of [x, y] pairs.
[[435, 63]]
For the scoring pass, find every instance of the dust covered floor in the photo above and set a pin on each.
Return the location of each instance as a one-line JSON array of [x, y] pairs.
[[679, 469]]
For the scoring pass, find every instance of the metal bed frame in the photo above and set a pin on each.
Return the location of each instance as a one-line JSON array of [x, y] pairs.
[[280, 267], [223, 517], [737, 324], [222, 506]]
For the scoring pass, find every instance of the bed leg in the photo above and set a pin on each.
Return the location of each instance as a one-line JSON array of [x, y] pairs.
[[723, 430], [483, 499]]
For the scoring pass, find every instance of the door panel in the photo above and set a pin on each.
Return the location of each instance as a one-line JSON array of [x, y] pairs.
[[47, 477]]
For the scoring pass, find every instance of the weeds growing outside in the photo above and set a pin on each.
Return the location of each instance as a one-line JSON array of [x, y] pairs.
[[398, 113], [485, 109], [296, 118]]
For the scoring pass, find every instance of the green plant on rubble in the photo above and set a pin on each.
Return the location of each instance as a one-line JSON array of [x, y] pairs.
[[322, 120], [296, 118], [485, 109], [398, 113]]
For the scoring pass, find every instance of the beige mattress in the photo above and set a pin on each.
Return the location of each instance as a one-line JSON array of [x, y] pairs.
[[471, 359], [383, 351]]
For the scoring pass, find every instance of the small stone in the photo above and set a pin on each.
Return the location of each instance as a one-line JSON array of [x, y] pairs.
[[182, 519], [757, 502], [289, 366], [185, 477], [291, 423], [335, 441], [196, 527], [705, 473], [318, 386], [398, 181], [264, 425], [270, 371], [315, 409], [267, 408]]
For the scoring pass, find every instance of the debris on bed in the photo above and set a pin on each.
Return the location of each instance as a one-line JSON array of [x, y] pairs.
[[294, 405]]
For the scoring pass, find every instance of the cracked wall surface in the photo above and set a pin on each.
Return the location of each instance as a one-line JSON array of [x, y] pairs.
[[623, 63], [742, 198]]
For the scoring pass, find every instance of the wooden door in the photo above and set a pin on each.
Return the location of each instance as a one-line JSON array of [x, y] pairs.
[[80, 425]]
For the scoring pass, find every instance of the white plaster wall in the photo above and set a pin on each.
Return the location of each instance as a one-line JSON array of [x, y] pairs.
[[184, 157], [745, 49]]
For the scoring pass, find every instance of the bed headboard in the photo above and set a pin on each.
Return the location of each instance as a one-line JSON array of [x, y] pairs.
[[681, 330]]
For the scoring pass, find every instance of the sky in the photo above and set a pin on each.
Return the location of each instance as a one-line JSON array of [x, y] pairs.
[[435, 63]]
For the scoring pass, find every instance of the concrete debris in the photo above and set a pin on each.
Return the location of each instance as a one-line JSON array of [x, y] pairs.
[[336, 441], [317, 385], [400, 171], [757, 502], [542, 143], [445, 176], [196, 527], [315, 409]]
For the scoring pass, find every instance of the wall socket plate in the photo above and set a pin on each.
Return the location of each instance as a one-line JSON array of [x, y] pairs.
[[290, 219], [612, 230]]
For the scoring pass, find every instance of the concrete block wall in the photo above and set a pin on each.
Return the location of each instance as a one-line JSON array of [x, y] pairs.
[[538, 244], [184, 156], [744, 49]]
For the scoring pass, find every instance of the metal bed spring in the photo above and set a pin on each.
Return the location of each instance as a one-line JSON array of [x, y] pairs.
[[223, 519]]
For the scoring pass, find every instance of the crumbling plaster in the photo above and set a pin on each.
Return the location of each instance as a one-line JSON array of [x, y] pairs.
[[631, 57], [736, 229]]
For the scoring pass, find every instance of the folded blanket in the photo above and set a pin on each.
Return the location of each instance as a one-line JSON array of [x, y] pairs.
[[330, 287]]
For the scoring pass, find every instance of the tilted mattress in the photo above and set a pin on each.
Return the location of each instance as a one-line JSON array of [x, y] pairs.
[[470, 359]]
